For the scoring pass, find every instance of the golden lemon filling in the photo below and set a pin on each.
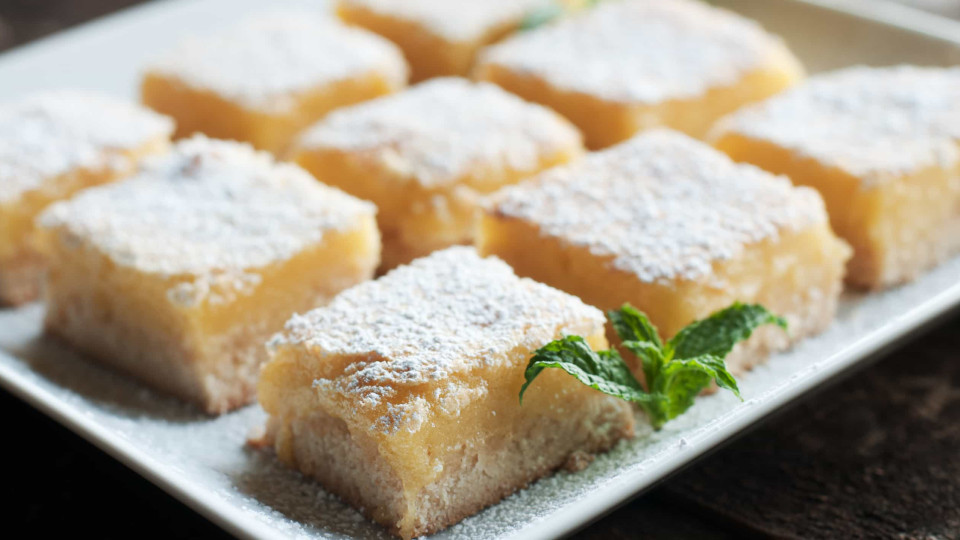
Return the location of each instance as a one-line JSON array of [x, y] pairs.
[[179, 274], [52, 145], [632, 65], [881, 147], [427, 156], [266, 79], [400, 396], [439, 37], [677, 230]]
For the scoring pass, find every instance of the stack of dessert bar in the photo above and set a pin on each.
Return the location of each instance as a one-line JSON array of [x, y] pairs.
[[243, 259]]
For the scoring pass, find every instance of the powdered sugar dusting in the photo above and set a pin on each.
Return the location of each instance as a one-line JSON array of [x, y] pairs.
[[208, 208], [641, 51], [415, 330], [53, 133], [440, 131], [874, 123], [264, 62], [661, 205], [454, 20]]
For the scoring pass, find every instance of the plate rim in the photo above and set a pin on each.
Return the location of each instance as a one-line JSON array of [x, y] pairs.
[[223, 514]]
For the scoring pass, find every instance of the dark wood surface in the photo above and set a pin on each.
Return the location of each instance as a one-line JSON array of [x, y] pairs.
[[874, 456]]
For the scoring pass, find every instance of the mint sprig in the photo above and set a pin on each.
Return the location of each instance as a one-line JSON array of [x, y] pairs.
[[548, 12], [675, 371], [541, 16]]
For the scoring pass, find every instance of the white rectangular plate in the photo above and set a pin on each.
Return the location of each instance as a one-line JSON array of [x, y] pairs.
[[203, 461]]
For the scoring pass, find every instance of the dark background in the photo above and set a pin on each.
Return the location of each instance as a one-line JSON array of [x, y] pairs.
[[875, 456]]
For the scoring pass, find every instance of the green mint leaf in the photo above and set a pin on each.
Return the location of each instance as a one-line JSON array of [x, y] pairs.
[[639, 336], [541, 16], [683, 380], [549, 12], [632, 324], [721, 376], [676, 372], [604, 370], [650, 356], [717, 334]]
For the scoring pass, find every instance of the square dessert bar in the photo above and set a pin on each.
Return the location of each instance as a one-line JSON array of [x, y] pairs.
[[179, 274], [52, 145], [882, 146], [400, 396], [425, 156], [439, 37], [631, 65], [265, 79], [678, 230]]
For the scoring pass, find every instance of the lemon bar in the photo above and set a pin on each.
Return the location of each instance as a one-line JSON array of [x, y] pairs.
[[179, 274], [678, 230], [264, 80], [439, 37], [400, 396], [51, 146], [882, 146], [425, 156], [630, 65]]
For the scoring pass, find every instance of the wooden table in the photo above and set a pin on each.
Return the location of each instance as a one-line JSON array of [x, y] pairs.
[[875, 456]]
